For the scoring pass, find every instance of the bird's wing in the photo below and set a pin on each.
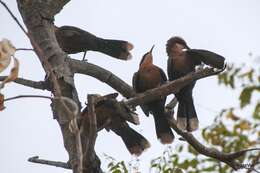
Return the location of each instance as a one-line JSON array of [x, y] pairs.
[[210, 58], [145, 109], [163, 76], [135, 82], [70, 31]]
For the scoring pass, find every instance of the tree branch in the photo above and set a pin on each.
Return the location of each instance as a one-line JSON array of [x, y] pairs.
[[92, 121], [173, 87], [228, 158], [103, 75], [171, 104], [30, 83], [169, 88], [74, 128], [27, 96], [89, 129], [24, 49], [255, 162], [36, 159]]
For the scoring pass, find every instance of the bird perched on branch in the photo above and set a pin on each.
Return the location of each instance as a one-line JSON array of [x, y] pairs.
[[147, 77], [181, 61], [74, 40], [108, 116]]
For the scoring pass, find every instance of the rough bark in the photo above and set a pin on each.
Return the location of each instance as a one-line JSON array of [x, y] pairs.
[[38, 16]]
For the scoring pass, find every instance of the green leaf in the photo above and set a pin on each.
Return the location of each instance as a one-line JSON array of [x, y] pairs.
[[178, 170], [205, 134], [246, 94], [194, 163], [256, 114], [191, 150], [210, 169], [116, 171], [180, 148], [184, 165], [249, 75]]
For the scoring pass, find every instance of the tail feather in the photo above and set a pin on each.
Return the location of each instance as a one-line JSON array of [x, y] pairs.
[[193, 122], [163, 130], [187, 117], [116, 48], [181, 116], [135, 142]]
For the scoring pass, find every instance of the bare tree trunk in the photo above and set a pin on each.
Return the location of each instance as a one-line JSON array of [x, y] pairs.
[[38, 17]]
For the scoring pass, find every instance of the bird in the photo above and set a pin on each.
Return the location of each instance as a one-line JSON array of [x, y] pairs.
[[74, 40], [181, 61], [107, 117], [147, 77]]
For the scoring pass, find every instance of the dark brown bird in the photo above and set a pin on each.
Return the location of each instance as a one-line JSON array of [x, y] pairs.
[[110, 119], [147, 77], [74, 40], [181, 61]]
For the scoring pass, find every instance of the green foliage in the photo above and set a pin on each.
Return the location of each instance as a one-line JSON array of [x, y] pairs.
[[168, 162], [228, 76], [246, 94], [256, 114], [115, 166]]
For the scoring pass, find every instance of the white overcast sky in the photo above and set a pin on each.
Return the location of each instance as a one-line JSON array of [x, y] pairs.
[[228, 27]]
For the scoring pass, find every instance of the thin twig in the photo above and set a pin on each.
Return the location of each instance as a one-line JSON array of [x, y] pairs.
[[13, 16], [171, 104], [27, 96], [74, 110], [56, 85], [36, 159], [30, 83], [24, 49], [84, 56], [255, 162]]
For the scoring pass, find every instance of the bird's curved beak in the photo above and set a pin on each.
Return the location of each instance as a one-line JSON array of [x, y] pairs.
[[151, 50]]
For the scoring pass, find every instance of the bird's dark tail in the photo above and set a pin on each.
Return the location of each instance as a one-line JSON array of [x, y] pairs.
[[162, 127], [116, 48], [135, 142], [187, 117]]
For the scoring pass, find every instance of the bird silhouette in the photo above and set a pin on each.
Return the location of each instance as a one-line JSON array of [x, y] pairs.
[[74, 40], [147, 77], [181, 61], [109, 118]]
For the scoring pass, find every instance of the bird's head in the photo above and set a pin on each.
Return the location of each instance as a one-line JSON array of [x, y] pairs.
[[175, 46], [147, 58]]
